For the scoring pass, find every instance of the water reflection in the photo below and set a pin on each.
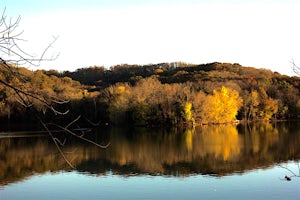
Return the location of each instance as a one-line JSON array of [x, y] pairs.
[[213, 150], [222, 142]]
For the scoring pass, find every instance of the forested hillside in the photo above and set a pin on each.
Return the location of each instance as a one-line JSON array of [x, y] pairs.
[[38, 88], [165, 93]]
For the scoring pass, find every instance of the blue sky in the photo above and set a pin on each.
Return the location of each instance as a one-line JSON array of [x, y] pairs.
[[37, 6], [263, 34]]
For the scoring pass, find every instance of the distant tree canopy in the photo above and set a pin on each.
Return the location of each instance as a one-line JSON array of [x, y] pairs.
[[166, 93]]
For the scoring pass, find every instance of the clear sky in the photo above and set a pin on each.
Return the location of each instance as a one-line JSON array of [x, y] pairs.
[[257, 33]]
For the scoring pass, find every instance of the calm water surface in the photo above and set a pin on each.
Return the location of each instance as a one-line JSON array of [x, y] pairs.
[[210, 162]]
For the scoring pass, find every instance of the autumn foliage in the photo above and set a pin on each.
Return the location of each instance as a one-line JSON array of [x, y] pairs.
[[222, 106], [161, 94]]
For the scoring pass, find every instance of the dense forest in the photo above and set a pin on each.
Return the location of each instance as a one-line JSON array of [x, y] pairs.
[[157, 94]]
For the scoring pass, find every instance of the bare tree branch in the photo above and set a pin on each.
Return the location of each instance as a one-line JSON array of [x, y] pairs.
[[92, 123], [293, 174], [57, 145], [72, 122], [81, 137], [296, 68], [47, 48], [9, 44], [12, 56]]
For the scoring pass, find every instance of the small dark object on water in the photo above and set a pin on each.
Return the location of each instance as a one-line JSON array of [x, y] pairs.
[[287, 178]]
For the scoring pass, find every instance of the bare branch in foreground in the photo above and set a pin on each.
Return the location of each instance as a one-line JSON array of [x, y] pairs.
[[11, 57], [10, 50], [293, 174], [296, 68], [57, 145], [92, 123], [67, 130]]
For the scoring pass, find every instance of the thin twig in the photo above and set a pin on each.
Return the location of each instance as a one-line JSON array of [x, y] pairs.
[[72, 122], [83, 138], [56, 144], [296, 68], [293, 173], [60, 142], [92, 123], [46, 49]]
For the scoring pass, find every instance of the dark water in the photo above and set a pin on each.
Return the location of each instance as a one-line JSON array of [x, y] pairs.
[[210, 162]]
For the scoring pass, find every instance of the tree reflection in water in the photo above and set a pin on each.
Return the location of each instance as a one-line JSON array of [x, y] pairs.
[[214, 150]]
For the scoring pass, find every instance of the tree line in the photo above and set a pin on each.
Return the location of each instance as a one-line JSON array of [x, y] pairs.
[[164, 94], [39, 89]]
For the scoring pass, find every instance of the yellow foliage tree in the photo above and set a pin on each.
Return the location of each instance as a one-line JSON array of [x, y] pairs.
[[188, 116], [221, 107]]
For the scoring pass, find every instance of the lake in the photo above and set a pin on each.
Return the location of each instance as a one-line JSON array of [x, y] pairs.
[[207, 162]]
